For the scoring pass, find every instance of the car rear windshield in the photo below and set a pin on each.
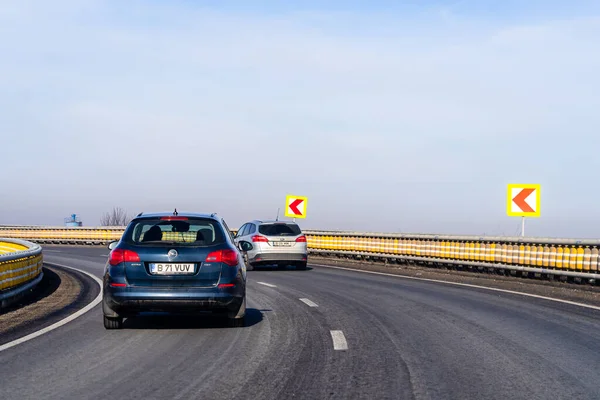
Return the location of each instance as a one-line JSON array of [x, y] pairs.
[[280, 230], [190, 232]]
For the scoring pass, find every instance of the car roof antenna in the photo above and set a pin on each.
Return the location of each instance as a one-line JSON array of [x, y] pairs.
[[175, 212], [277, 219]]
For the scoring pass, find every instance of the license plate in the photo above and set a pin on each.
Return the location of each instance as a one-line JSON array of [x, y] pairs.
[[282, 244], [171, 269]]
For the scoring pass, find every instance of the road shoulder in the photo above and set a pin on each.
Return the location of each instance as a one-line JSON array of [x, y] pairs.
[[581, 293], [62, 292]]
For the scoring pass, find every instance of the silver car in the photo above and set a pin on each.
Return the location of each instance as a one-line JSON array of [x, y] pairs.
[[273, 243]]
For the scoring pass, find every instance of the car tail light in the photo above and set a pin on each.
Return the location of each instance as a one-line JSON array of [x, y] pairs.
[[226, 285], [301, 239], [117, 256], [229, 257], [118, 285], [258, 238], [173, 218]]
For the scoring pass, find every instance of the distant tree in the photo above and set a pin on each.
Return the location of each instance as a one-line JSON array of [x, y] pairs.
[[116, 217]]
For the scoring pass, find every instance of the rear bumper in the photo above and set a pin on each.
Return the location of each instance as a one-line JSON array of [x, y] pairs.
[[277, 257], [131, 300]]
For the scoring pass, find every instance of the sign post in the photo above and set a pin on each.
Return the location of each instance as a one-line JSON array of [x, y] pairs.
[[523, 200], [295, 206]]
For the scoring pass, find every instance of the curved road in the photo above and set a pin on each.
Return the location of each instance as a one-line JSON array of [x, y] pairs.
[[405, 339]]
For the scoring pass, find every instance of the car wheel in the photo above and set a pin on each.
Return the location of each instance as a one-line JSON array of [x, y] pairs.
[[239, 320], [113, 323], [301, 265]]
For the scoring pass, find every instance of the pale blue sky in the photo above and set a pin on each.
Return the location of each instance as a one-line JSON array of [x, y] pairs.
[[389, 116]]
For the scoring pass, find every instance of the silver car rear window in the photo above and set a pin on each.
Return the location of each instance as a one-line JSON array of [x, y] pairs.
[[281, 229]]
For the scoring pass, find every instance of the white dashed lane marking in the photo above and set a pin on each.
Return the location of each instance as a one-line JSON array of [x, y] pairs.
[[266, 284], [309, 303], [339, 340]]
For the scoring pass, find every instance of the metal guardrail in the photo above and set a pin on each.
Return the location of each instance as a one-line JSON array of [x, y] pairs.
[[554, 256], [20, 269], [63, 235]]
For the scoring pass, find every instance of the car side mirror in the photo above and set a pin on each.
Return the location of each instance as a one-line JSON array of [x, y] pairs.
[[112, 245], [245, 246]]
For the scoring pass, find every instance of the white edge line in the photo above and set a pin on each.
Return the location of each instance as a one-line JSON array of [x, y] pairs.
[[339, 340], [309, 302], [573, 303], [266, 284], [64, 321]]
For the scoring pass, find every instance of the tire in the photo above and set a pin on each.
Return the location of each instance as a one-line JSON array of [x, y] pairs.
[[239, 320], [113, 323], [301, 265], [236, 322], [108, 312]]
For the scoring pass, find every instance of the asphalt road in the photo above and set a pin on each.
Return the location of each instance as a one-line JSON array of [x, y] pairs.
[[405, 339]]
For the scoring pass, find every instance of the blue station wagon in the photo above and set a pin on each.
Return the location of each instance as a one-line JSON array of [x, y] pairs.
[[176, 263]]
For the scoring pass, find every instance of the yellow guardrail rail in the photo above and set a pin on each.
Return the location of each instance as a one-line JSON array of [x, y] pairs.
[[570, 257], [20, 267], [9, 247], [567, 257], [63, 235]]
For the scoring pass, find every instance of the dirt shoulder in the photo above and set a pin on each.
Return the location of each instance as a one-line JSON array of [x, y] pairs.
[[60, 293], [577, 292]]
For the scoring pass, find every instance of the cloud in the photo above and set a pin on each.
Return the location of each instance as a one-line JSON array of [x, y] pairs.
[[144, 104]]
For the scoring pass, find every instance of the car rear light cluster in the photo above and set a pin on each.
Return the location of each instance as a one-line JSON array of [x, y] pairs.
[[118, 256], [228, 256], [258, 238]]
